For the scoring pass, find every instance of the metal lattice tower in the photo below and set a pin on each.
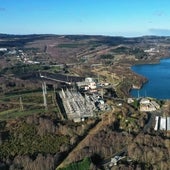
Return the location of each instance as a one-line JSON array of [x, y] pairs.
[[44, 88], [21, 104]]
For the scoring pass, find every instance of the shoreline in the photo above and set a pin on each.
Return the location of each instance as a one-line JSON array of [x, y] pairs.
[[139, 86]]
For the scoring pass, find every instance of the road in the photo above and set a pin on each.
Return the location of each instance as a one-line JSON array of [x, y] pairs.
[[98, 126], [61, 78]]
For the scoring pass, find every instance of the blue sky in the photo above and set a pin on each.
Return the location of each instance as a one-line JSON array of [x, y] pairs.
[[105, 17]]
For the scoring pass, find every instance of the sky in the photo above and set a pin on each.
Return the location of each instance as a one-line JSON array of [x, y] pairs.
[[129, 18]]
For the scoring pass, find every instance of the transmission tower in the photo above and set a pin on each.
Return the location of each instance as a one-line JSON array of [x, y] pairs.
[[21, 104], [44, 88]]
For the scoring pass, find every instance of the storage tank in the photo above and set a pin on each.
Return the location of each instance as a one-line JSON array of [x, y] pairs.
[[163, 123], [89, 79], [168, 123], [156, 122]]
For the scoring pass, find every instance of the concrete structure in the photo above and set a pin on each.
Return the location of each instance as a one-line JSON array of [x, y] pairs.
[[147, 105], [152, 50], [89, 80], [156, 105], [3, 49], [76, 106], [168, 123], [88, 84], [12, 52], [156, 123], [130, 100], [92, 85], [162, 123], [144, 101], [115, 160]]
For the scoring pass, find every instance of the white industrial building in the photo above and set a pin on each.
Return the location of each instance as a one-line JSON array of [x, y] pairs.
[[156, 123], [88, 84], [162, 123], [147, 105], [3, 49], [168, 123]]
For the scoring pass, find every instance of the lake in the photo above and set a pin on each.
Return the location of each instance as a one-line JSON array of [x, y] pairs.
[[158, 75]]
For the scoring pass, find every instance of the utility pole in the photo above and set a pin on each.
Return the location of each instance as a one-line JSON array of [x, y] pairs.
[[21, 104], [54, 96], [44, 88], [98, 77], [110, 118], [102, 93]]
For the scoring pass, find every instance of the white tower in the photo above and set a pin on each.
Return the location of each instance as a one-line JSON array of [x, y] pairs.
[[44, 88]]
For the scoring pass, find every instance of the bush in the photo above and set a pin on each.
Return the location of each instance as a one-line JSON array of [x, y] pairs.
[[82, 165], [107, 56]]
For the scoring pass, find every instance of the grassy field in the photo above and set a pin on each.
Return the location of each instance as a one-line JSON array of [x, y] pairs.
[[82, 165], [15, 113], [69, 45], [13, 106]]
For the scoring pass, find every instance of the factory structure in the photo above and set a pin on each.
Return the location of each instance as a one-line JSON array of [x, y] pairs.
[[148, 105], [88, 84], [76, 106], [162, 123]]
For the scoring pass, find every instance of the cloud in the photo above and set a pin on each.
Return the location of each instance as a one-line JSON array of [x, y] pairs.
[[2, 9], [160, 32]]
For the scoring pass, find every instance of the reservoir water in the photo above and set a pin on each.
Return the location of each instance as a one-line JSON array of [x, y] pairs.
[[158, 75]]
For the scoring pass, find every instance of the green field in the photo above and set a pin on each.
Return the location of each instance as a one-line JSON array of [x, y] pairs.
[[82, 165], [24, 104]]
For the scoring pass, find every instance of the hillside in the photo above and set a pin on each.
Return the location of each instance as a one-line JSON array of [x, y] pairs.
[[34, 131]]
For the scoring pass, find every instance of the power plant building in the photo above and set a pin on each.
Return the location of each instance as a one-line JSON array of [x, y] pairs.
[[76, 106]]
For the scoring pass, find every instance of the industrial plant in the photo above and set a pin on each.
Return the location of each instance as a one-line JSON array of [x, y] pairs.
[[76, 106]]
